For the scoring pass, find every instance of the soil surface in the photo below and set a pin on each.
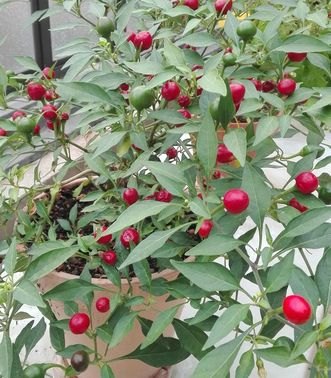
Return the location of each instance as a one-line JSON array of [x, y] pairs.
[[64, 202]]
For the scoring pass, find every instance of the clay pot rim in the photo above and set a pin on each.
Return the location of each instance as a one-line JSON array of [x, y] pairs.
[[101, 281]]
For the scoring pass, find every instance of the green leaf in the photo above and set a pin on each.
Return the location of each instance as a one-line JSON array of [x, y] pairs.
[[246, 365], [159, 325], [319, 238], [122, 328], [135, 213], [235, 141], [123, 17], [280, 273], [320, 61], [83, 92], [106, 372], [10, 258], [265, 128], [213, 82], [36, 334], [301, 42], [226, 109], [323, 279], [206, 311], [71, 290], [22, 337], [305, 223], [149, 245], [28, 63], [166, 351], [179, 10], [215, 245], [230, 28], [174, 55], [210, 276], [200, 208], [143, 272], [303, 285], [47, 262], [146, 67], [279, 355], [226, 323], [6, 356], [161, 78], [26, 293], [217, 363], [112, 274], [170, 116], [258, 192], [170, 176], [199, 39], [304, 342], [191, 338], [207, 137], [107, 141]]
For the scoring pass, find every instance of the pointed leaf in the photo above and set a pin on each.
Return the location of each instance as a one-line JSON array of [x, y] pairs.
[[226, 323], [209, 276], [235, 141]]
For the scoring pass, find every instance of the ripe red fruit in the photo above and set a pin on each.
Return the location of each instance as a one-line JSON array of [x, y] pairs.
[[109, 257], [257, 84], [36, 91], [36, 130], [228, 50], [163, 196], [236, 201], [124, 87], [306, 182], [205, 228], [184, 101], [103, 239], [185, 113], [237, 92], [296, 309], [223, 6], [217, 174], [129, 235], [18, 114], [102, 304], [199, 91], [130, 196], [143, 40], [64, 116], [297, 205], [50, 125], [50, 95], [136, 148], [79, 323], [286, 86], [296, 57], [268, 86], [193, 4], [131, 37], [48, 73], [170, 90], [223, 154], [3, 132], [49, 111], [171, 153]]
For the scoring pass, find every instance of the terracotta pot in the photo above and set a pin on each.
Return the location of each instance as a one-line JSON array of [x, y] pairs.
[[125, 368]]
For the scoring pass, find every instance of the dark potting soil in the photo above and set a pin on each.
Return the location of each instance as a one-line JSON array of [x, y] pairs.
[[64, 202]]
